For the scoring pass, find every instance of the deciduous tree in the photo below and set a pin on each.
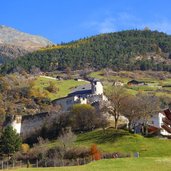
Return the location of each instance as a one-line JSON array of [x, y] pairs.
[[117, 97]]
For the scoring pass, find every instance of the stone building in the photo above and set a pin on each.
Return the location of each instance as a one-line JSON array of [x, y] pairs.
[[85, 94]]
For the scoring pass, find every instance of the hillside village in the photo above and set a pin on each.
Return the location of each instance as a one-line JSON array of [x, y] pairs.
[[62, 111], [93, 94], [89, 106]]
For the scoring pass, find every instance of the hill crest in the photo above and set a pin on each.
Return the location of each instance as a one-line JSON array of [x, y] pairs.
[[14, 43]]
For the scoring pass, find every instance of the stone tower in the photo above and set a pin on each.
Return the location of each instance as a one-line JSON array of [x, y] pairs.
[[96, 87]]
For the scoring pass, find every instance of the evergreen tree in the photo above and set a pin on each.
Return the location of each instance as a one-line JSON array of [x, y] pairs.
[[10, 141]]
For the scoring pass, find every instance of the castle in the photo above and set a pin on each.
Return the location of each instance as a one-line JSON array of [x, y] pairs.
[[85, 94], [28, 125]]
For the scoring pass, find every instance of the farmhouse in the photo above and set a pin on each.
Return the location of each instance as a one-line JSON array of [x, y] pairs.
[[85, 94], [159, 124], [135, 83]]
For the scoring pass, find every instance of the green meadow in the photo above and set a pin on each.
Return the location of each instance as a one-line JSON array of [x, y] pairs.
[[63, 86], [126, 164]]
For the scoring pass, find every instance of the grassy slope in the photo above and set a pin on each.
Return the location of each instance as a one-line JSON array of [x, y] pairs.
[[123, 141], [129, 164], [64, 86], [155, 153], [137, 75]]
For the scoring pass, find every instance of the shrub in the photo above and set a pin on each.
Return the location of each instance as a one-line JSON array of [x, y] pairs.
[[52, 87], [76, 153], [96, 155], [25, 148]]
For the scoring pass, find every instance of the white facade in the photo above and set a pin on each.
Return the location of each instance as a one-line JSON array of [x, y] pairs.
[[157, 121], [97, 88], [82, 95], [16, 124]]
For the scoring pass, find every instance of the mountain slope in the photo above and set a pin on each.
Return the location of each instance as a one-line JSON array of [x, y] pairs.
[[126, 50], [14, 43]]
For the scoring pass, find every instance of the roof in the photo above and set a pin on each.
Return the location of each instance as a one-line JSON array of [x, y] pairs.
[[83, 89], [91, 79], [135, 82], [61, 98], [167, 113]]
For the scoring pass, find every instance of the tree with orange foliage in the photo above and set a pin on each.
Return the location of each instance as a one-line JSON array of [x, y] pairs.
[[96, 155]]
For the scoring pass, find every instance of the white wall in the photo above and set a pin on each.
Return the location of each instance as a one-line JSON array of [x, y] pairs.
[[156, 120], [97, 88], [16, 124]]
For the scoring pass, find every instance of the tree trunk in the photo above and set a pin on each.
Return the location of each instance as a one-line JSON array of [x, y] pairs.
[[116, 123], [129, 125]]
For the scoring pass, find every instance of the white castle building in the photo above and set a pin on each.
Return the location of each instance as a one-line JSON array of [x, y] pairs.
[[85, 94]]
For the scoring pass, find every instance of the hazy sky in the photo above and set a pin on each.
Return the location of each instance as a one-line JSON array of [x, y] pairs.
[[67, 20]]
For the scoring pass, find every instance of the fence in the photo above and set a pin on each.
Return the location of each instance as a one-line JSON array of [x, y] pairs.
[[9, 164], [48, 162]]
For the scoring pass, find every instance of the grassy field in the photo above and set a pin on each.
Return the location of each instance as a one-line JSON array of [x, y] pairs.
[[155, 152], [125, 142], [153, 79], [127, 164], [63, 86]]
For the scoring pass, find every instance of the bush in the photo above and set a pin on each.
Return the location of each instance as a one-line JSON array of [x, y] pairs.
[[25, 148], [114, 155], [76, 153], [96, 154], [52, 87]]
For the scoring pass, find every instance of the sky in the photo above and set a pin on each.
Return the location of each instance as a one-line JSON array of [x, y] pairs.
[[67, 20]]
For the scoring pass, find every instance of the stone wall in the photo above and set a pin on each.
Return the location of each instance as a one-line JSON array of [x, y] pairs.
[[29, 125], [33, 124]]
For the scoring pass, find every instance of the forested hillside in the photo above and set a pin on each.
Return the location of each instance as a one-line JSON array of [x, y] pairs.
[[126, 50]]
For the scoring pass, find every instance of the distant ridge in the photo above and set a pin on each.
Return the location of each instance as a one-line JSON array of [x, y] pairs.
[[14, 43]]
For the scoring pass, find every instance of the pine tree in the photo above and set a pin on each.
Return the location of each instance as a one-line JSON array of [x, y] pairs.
[[10, 141]]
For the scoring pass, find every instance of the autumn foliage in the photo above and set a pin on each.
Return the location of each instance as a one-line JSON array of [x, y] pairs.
[[96, 155]]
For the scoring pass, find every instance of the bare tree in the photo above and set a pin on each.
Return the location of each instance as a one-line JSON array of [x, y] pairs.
[[131, 109], [67, 138], [102, 114], [150, 104], [117, 97]]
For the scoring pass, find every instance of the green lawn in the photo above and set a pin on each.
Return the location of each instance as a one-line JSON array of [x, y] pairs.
[[155, 153], [125, 164], [125, 142], [64, 86]]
